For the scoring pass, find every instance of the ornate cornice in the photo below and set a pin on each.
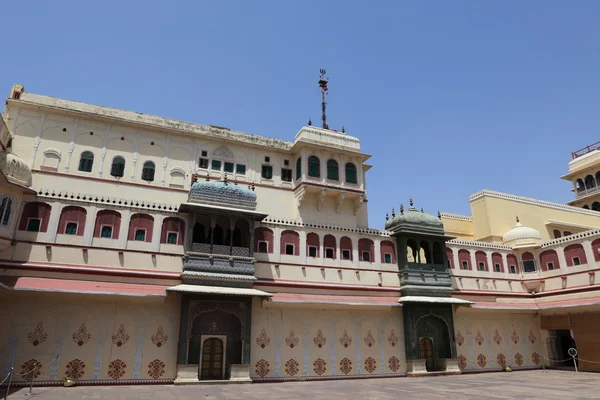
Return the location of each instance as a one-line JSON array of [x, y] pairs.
[[456, 217], [340, 228], [572, 238], [476, 244]]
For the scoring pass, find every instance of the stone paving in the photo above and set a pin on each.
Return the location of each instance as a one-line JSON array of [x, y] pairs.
[[523, 385]]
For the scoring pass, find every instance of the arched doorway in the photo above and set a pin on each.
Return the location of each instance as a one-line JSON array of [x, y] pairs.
[[212, 366], [434, 342]]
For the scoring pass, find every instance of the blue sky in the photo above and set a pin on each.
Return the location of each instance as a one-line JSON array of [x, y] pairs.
[[449, 97]]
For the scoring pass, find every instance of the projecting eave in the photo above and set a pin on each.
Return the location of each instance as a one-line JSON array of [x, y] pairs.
[[24, 189], [187, 207]]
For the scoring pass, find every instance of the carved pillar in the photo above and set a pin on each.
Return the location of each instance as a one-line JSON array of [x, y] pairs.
[[377, 255], [190, 231], [589, 253], [183, 332], [560, 252], [165, 162], [248, 332], [505, 264], [53, 223], [302, 247], [474, 266], [60, 318], [490, 262], [252, 244], [455, 259], [134, 161], [69, 155]]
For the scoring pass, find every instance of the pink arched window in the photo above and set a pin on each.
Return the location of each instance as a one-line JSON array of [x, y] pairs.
[[549, 260], [290, 243], [263, 240], [513, 265], [312, 245], [35, 217], [346, 248], [575, 255], [366, 250], [172, 231], [330, 247], [596, 249], [464, 259], [72, 221], [140, 228], [108, 224], [450, 257], [497, 262], [481, 260], [388, 252]]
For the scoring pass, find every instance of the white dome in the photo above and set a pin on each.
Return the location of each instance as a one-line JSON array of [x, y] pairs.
[[522, 236], [15, 169]]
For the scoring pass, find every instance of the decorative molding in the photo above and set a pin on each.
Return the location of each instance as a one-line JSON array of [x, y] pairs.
[[276, 222], [340, 202], [456, 217], [571, 238], [476, 244], [322, 197], [358, 203]]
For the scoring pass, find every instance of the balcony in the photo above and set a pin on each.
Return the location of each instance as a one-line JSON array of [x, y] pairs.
[[585, 150]]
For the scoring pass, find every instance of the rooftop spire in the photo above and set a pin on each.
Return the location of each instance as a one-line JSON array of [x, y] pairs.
[[323, 84], [517, 219]]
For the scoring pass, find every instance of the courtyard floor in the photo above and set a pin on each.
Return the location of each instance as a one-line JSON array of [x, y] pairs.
[[524, 385]]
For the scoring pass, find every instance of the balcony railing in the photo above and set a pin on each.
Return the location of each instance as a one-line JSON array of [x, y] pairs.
[[585, 150], [583, 191], [220, 249]]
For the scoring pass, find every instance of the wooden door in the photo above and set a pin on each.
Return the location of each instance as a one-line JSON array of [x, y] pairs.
[[426, 349], [212, 359]]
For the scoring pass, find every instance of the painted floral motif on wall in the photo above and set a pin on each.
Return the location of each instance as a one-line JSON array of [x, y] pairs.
[[320, 339], [501, 360], [292, 340], [345, 340], [481, 361], [535, 357], [393, 339], [459, 338], [320, 366], [262, 368], [497, 337], [345, 365], [82, 336], [116, 369], [159, 338], [30, 369], [462, 362], [478, 338], [292, 367], [263, 339], [514, 337], [75, 369], [519, 359], [121, 337], [369, 339], [370, 365], [38, 335], [156, 369], [531, 337], [394, 363]]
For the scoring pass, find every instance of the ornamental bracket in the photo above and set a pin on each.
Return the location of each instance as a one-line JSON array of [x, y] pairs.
[[321, 200], [340, 202]]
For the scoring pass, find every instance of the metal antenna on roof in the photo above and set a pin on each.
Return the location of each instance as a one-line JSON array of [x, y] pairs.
[[323, 84]]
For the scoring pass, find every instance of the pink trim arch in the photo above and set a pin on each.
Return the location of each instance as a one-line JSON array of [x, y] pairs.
[[346, 244], [72, 214], [596, 249], [312, 240], [464, 255], [141, 221], [497, 259], [366, 245], [573, 251], [290, 237], [329, 242], [263, 234], [549, 256], [481, 257], [387, 247], [450, 257], [172, 224], [511, 259], [35, 210], [110, 218]]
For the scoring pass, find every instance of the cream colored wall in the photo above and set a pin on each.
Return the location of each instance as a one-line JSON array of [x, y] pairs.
[[481, 337], [494, 216], [16, 195], [58, 319], [278, 359], [460, 228]]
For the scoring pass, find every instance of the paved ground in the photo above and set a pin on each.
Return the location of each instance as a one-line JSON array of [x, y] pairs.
[[525, 385]]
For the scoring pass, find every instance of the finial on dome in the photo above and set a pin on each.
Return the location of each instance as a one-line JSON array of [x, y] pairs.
[[343, 129], [387, 217], [225, 178], [518, 219], [411, 202], [393, 212], [253, 186], [207, 178], [401, 209], [422, 209], [309, 122], [439, 214]]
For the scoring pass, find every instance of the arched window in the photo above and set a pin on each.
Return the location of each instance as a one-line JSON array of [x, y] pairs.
[[108, 224], [556, 234], [589, 182], [312, 244], [450, 257], [579, 185], [366, 248], [333, 172], [173, 231], [290, 243], [351, 173], [5, 210], [86, 161], [72, 221], [314, 166], [177, 178], [388, 252], [498, 263], [330, 246], [596, 206], [148, 171], [425, 253], [481, 260], [346, 248], [263, 240], [299, 168], [549, 260], [35, 217], [575, 255], [117, 169], [140, 228], [464, 259]]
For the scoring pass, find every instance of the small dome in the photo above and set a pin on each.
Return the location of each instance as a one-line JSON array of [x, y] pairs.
[[15, 169], [223, 194], [415, 221], [522, 237]]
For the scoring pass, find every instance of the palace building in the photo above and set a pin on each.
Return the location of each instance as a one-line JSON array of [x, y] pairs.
[[141, 249]]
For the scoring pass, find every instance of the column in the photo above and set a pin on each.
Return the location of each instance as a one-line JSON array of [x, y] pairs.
[[505, 265], [474, 266], [321, 250], [589, 252], [342, 166], [355, 257], [338, 251], [455, 259], [277, 244], [51, 231], [323, 158], [88, 231], [302, 247], [124, 228], [560, 252], [377, 255], [490, 262], [156, 232]]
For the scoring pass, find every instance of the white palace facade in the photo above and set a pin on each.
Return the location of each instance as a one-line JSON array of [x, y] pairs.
[[140, 249]]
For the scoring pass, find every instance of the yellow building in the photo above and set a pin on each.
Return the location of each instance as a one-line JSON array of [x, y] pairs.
[[136, 248]]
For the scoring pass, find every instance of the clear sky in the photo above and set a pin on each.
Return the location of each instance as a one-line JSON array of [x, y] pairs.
[[449, 97]]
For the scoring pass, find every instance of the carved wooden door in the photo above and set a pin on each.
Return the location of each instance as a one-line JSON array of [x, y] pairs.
[[426, 349], [212, 359]]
